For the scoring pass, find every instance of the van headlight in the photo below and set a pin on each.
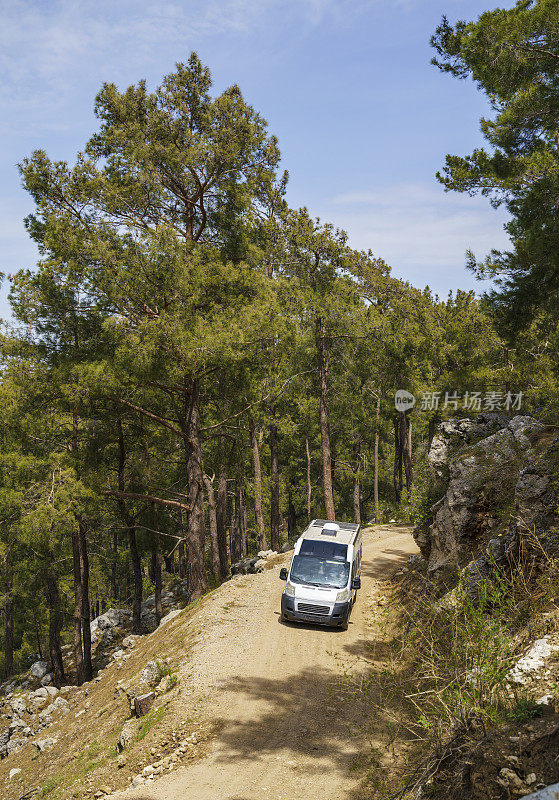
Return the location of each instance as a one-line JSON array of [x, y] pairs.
[[289, 590], [343, 596]]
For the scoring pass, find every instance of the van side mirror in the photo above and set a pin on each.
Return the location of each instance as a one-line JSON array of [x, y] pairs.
[[356, 583], [283, 574]]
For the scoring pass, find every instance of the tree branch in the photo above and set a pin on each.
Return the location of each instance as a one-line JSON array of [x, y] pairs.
[[256, 402], [147, 498], [161, 420]]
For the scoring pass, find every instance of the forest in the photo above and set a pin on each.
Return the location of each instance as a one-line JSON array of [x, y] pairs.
[[194, 369]]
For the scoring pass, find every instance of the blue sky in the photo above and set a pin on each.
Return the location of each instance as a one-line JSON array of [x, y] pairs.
[[363, 120]]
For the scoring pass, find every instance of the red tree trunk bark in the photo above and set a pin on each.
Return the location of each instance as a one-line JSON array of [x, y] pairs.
[[78, 603], [9, 615], [212, 515], [196, 533], [322, 365], [55, 624], [259, 518], [86, 618], [274, 489], [221, 514]]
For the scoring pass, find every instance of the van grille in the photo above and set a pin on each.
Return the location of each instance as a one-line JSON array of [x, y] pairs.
[[307, 608]]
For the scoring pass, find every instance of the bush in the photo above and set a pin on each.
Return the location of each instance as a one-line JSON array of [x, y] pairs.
[[447, 681]]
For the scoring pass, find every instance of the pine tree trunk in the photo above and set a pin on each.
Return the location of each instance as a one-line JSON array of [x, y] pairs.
[[356, 484], [375, 476], [356, 500], [78, 602], [259, 518], [196, 533], [114, 589], [38, 639], [138, 582], [405, 450], [324, 423], [180, 550], [157, 572], [212, 516], [9, 615], [309, 484], [237, 528], [274, 489], [291, 518], [397, 461], [86, 619], [221, 514], [244, 524], [55, 625], [132, 544]]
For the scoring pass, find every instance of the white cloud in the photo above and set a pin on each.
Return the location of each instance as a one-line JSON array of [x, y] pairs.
[[420, 230], [50, 50]]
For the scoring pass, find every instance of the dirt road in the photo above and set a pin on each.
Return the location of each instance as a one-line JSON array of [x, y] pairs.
[[288, 732]]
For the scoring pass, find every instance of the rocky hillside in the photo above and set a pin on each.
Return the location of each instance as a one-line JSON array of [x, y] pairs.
[[122, 727], [489, 539], [496, 481]]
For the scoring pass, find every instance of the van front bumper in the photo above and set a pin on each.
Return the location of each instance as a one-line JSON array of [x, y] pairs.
[[339, 614]]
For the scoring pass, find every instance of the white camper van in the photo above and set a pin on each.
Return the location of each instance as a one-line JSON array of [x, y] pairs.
[[324, 575]]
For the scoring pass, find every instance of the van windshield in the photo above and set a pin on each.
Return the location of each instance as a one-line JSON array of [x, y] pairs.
[[315, 571]]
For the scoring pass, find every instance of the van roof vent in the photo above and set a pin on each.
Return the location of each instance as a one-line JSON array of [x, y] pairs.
[[330, 529]]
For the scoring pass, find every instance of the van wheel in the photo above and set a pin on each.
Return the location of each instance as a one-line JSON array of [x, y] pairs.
[[344, 626]]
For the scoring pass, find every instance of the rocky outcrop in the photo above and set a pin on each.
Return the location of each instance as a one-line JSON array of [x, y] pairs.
[[250, 566], [497, 481]]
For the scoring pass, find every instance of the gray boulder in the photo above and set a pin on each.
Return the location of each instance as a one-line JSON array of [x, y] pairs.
[[17, 725], [45, 744], [15, 744], [18, 705], [248, 566], [151, 673], [4, 739], [102, 627], [128, 734], [455, 434], [38, 669], [549, 793]]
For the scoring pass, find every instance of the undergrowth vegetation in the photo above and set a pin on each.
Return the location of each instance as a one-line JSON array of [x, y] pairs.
[[445, 681]]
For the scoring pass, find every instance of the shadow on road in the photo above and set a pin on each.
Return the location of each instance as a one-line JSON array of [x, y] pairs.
[[311, 722], [385, 564]]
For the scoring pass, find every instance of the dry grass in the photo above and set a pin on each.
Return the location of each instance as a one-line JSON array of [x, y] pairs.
[[84, 756], [441, 687]]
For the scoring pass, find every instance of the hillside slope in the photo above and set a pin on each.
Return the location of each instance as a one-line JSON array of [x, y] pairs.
[[258, 709]]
